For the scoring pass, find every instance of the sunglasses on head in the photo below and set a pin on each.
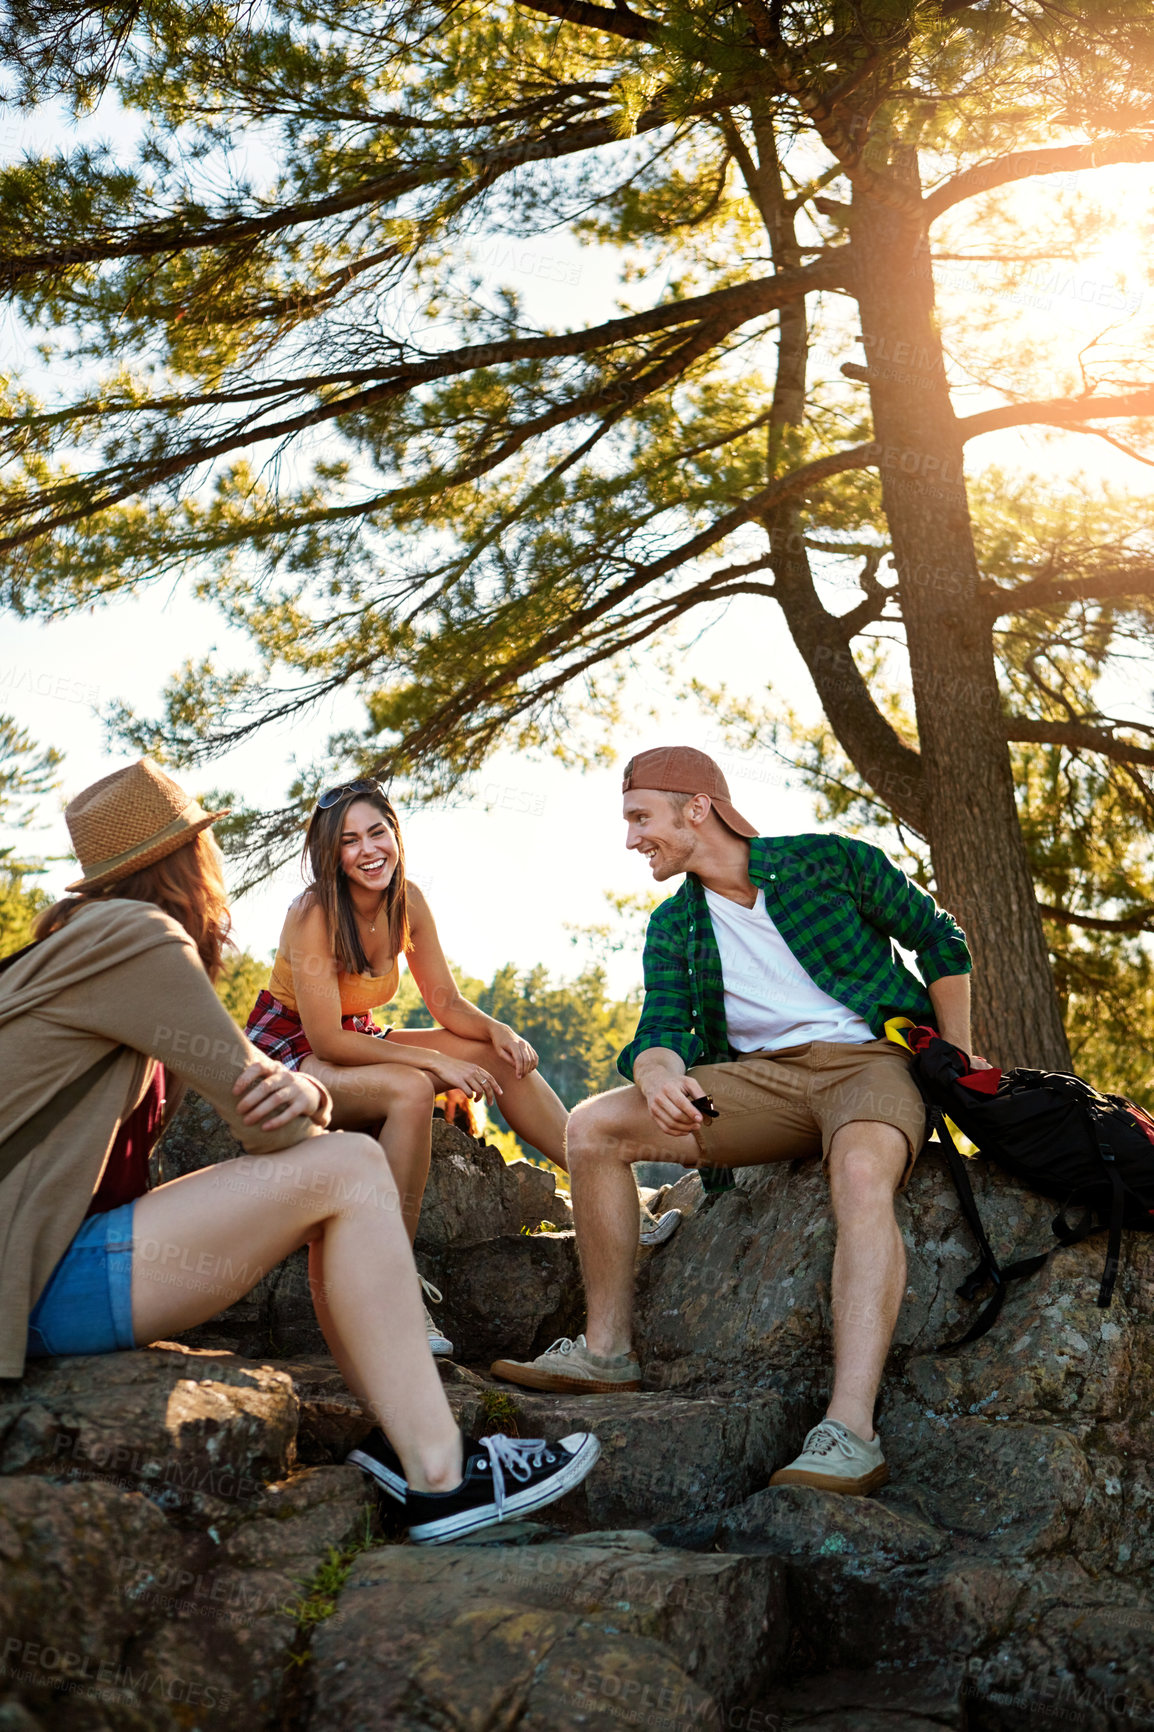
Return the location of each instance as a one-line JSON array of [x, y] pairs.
[[364, 786]]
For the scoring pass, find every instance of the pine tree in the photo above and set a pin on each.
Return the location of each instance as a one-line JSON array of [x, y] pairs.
[[27, 775], [396, 485]]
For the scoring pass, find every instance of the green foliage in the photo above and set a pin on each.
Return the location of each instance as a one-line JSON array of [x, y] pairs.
[[467, 531], [72, 49], [27, 775], [241, 978], [408, 1009], [20, 903], [575, 1027]]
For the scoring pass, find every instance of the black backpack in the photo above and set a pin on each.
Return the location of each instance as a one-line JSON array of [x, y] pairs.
[[1052, 1133]]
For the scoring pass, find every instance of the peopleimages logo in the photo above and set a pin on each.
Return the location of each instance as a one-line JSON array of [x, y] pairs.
[[32, 1662], [137, 1469], [527, 263], [1040, 286]]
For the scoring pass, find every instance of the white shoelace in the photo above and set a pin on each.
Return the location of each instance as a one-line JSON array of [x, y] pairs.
[[434, 1293], [563, 1344], [825, 1438], [519, 1455]]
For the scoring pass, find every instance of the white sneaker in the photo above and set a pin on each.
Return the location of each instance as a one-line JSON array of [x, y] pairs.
[[656, 1229], [834, 1458], [568, 1367], [439, 1345]]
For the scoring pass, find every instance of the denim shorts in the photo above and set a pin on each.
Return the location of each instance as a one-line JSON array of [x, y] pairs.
[[87, 1304]]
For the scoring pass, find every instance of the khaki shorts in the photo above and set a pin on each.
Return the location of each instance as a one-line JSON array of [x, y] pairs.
[[780, 1106]]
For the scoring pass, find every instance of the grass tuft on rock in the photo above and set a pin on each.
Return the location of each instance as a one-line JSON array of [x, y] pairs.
[[499, 1414], [321, 1592]]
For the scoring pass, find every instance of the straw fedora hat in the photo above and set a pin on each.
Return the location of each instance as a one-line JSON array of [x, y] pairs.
[[131, 819]]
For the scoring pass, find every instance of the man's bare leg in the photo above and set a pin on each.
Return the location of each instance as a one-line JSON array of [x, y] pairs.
[[866, 1163], [605, 1136]]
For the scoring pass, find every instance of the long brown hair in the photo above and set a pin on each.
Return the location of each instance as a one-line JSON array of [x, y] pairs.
[[188, 884], [330, 888]]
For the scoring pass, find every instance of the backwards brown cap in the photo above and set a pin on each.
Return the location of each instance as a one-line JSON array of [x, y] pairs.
[[684, 770]]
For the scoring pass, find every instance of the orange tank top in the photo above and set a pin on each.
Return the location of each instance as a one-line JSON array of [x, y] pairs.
[[360, 993]]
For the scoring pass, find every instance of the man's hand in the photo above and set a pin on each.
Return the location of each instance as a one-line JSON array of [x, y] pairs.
[[950, 997], [660, 1075], [670, 1102]]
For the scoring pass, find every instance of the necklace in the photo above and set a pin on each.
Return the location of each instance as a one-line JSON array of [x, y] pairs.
[[373, 921]]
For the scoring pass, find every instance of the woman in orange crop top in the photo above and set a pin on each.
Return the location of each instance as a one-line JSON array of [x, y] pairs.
[[338, 959]]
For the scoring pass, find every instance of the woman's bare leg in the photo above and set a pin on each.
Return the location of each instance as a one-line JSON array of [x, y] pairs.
[[529, 1104], [203, 1241], [402, 1097]]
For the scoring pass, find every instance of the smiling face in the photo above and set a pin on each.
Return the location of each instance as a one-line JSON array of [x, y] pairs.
[[368, 847], [661, 828]]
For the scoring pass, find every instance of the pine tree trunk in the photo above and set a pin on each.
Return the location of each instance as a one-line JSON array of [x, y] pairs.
[[979, 858]]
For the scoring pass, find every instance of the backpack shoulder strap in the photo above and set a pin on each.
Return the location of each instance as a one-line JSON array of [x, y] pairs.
[[1117, 1212], [988, 1268]]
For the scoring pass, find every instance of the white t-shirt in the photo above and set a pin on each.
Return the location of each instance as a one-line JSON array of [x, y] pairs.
[[770, 1000]]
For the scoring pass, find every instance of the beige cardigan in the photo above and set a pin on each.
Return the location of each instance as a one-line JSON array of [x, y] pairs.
[[120, 972]]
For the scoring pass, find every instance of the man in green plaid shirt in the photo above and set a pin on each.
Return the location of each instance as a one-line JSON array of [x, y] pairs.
[[769, 978]]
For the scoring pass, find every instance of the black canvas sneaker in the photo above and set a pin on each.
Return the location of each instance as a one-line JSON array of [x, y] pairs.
[[505, 1478], [377, 1456]]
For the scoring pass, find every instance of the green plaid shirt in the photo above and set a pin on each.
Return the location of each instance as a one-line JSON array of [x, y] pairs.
[[837, 904]]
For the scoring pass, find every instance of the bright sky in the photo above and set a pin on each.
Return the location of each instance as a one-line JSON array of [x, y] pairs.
[[534, 845]]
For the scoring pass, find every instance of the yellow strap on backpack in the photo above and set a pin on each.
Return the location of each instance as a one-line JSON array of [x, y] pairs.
[[895, 1028]]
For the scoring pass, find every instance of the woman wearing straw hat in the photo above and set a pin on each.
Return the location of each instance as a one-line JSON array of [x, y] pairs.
[[118, 982], [338, 960]]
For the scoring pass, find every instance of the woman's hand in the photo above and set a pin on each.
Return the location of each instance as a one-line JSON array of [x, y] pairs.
[[517, 1053], [270, 1096], [471, 1079]]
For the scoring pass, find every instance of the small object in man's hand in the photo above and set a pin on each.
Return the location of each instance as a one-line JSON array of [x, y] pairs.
[[705, 1107]]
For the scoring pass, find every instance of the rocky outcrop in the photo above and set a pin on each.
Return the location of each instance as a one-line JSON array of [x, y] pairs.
[[156, 1531], [669, 1464], [200, 1426], [744, 1294], [181, 1546], [562, 1637], [1020, 1510]]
